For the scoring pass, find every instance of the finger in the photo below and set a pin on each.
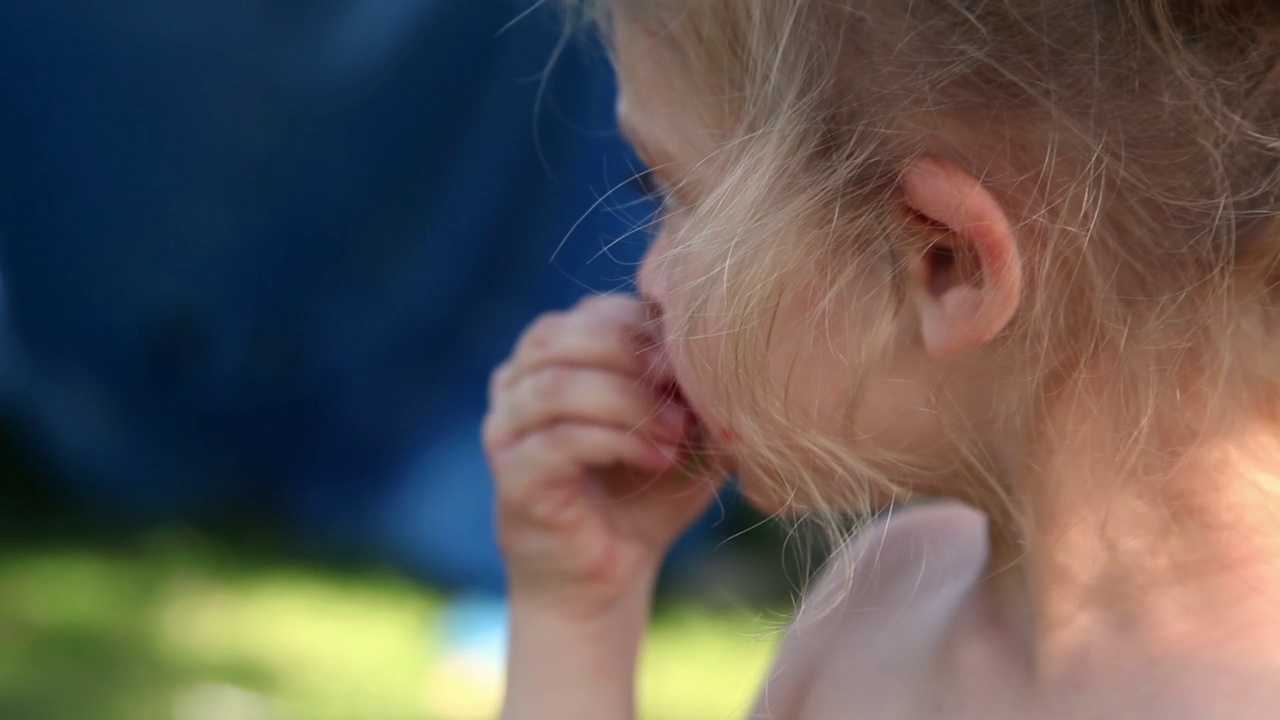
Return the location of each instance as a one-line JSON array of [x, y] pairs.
[[559, 394], [556, 457], [628, 309], [612, 338], [632, 312]]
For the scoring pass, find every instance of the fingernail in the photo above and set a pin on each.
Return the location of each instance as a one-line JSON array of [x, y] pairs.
[[655, 359], [674, 421], [652, 360], [670, 454]]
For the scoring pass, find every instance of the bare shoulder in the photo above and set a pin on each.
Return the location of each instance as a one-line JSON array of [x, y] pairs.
[[880, 598]]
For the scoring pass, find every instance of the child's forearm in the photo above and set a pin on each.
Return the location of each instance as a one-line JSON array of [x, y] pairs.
[[564, 668]]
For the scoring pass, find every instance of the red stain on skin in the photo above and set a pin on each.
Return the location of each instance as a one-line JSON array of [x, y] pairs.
[[727, 435]]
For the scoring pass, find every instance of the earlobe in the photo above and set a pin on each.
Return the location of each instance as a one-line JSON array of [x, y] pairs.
[[968, 271]]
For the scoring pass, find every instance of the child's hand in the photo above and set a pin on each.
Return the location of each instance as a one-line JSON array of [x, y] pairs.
[[589, 456]]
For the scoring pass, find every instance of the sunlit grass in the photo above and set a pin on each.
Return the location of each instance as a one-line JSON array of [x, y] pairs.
[[174, 629]]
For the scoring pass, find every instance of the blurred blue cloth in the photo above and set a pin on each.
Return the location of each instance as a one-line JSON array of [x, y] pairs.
[[260, 255]]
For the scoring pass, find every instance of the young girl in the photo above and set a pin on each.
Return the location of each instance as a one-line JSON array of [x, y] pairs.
[[1020, 257]]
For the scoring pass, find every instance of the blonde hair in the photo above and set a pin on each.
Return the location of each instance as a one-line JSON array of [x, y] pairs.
[[1136, 143]]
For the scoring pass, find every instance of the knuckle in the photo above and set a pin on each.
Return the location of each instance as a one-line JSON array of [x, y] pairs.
[[542, 332], [512, 495], [552, 441], [491, 434], [550, 384], [510, 484], [499, 380], [516, 481], [555, 440]]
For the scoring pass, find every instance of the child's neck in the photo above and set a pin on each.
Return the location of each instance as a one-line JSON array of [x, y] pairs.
[[1141, 565]]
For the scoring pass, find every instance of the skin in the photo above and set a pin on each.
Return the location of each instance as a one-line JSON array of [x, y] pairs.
[[1137, 592]]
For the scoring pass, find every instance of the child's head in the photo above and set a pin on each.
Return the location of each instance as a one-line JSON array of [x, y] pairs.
[[905, 237]]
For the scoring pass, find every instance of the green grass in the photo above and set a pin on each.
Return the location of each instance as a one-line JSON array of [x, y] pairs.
[[174, 627]]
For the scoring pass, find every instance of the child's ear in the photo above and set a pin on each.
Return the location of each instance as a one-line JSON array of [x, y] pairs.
[[968, 274]]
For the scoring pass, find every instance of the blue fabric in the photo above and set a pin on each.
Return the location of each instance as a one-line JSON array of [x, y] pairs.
[[266, 251]]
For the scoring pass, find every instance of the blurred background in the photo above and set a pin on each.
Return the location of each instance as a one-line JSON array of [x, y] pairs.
[[257, 259]]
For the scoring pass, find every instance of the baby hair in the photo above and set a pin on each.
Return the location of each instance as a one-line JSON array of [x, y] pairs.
[[1135, 145]]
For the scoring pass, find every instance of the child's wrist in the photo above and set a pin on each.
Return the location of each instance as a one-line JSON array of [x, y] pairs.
[[584, 609], [566, 663]]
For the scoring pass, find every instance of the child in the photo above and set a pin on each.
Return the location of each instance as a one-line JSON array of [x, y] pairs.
[[1020, 257]]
